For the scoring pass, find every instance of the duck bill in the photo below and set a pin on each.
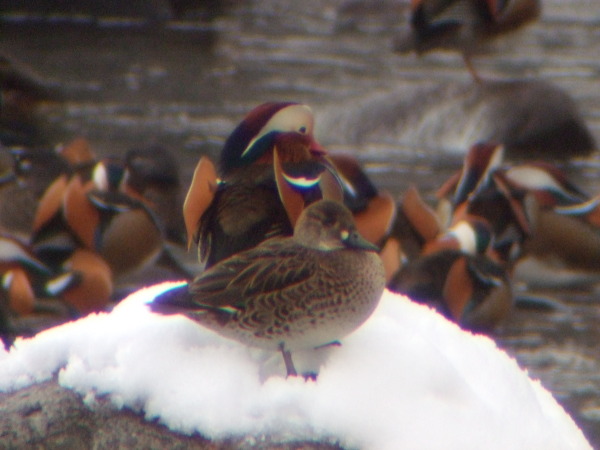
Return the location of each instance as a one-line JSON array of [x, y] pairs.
[[355, 240], [317, 149]]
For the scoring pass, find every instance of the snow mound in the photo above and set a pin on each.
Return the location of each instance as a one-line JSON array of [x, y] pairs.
[[407, 378]]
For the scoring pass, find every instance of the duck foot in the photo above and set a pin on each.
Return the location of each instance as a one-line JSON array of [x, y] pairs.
[[471, 68], [310, 376]]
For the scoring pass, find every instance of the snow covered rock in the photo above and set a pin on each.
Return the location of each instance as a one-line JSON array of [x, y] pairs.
[[406, 379]]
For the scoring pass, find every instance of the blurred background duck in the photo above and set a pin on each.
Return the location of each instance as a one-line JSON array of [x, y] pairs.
[[28, 172], [463, 25], [480, 189], [34, 295], [563, 249], [471, 290], [94, 214], [459, 273], [22, 92]]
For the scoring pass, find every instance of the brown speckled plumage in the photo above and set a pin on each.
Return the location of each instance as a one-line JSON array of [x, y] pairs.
[[290, 293]]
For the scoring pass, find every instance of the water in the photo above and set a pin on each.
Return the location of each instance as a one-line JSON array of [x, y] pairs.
[[187, 84]]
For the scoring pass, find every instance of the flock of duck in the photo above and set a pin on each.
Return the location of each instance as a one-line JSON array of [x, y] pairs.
[[72, 224], [296, 243]]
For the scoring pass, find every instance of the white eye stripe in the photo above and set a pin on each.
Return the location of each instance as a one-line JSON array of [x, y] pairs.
[[297, 117]]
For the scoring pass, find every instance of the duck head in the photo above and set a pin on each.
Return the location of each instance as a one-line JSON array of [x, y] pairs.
[[254, 138], [328, 225]]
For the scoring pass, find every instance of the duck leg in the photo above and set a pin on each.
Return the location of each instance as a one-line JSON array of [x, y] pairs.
[[471, 68], [287, 359]]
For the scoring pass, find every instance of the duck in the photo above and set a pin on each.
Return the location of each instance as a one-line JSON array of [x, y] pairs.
[[26, 286], [21, 93], [270, 168], [95, 215], [471, 290], [563, 248], [463, 25], [288, 293], [459, 274], [482, 189], [32, 170]]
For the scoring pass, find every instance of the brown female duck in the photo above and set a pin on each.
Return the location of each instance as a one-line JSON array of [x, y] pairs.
[[289, 293]]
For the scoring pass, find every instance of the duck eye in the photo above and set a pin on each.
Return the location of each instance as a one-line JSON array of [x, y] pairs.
[[302, 130], [24, 165]]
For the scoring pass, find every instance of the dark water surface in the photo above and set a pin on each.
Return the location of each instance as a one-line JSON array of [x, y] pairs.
[[187, 84]]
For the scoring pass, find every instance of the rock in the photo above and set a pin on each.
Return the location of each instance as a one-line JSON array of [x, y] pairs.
[[48, 416], [532, 118]]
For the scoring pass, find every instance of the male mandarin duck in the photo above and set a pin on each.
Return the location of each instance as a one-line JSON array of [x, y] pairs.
[[567, 238], [564, 244], [270, 167], [28, 284], [471, 290], [16, 263], [288, 293], [95, 215], [463, 25], [32, 171], [481, 189], [457, 273]]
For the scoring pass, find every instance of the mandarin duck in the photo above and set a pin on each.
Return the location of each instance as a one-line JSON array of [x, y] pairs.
[[270, 167]]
